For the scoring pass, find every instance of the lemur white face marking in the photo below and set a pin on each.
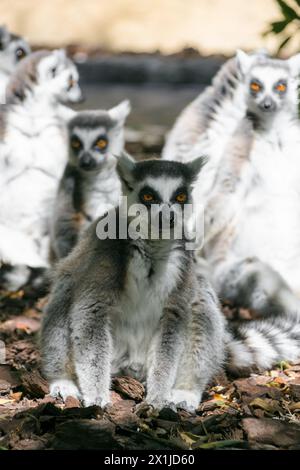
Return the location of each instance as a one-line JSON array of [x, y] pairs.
[[57, 75], [271, 84], [13, 48], [96, 137], [159, 186]]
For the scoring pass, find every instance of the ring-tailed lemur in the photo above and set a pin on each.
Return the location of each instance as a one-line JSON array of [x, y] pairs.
[[253, 212], [90, 181], [33, 153], [13, 48], [205, 126], [137, 306]]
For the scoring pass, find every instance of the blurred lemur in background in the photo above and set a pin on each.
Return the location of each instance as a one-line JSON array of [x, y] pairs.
[[205, 126], [13, 48], [33, 154], [136, 306], [253, 212], [90, 183]]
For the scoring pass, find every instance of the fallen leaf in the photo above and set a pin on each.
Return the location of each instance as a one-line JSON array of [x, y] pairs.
[[5, 401], [294, 406], [267, 404], [16, 396]]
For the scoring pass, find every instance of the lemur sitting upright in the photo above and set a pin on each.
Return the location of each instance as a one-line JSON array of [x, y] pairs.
[[253, 212], [90, 183], [33, 154], [132, 303]]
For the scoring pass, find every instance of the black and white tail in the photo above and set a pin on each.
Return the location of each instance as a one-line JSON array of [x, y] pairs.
[[262, 343]]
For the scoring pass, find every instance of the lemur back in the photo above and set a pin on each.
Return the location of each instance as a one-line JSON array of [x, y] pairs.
[[89, 185]]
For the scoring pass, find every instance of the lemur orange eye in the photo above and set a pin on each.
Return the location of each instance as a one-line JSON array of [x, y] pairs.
[[101, 144], [147, 197], [181, 198], [281, 87], [255, 87]]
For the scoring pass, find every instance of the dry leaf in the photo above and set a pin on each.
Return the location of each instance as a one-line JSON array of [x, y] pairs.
[[16, 396], [271, 406], [5, 401], [294, 406]]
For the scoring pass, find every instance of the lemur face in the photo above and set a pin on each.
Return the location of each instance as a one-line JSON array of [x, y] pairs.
[[163, 187], [96, 137], [270, 84], [13, 48], [58, 75]]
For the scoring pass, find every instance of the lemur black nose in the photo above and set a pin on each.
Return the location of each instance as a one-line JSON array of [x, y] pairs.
[[86, 161], [268, 104]]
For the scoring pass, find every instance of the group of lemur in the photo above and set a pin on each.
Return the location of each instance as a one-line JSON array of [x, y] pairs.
[[147, 307]]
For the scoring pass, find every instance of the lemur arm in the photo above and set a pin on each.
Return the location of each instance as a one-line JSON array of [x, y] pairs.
[[167, 351], [230, 184], [65, 223], [92, 349]]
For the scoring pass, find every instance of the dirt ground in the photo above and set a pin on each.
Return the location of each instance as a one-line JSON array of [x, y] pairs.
[[257, 412]]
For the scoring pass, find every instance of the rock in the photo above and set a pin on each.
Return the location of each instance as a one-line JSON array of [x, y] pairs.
[[9, 376], [250, 388], [34, 384], [72, 402], [273, 432], [295, 391], [83, 434], [129, 388], [30, 444], [4, 386], [121, 413]]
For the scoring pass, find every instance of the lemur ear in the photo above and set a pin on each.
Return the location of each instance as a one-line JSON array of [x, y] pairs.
[[244, 61], [120, 112], [294, 64], [61, 53], [125, 167], [4, 36], [196, 165]]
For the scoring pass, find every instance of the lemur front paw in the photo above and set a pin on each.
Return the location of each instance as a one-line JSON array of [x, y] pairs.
[[101, 402], [159, 403], [186, 399], [64, 388]]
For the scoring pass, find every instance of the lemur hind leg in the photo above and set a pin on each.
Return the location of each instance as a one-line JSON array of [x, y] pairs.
[[250, 283], [204, 349], [55, 344]]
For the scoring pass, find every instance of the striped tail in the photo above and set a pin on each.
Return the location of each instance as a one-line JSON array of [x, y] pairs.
[[262, 344]]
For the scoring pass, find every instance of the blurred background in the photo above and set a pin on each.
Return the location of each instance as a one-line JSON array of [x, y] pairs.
[[158, 53], [210, 26]]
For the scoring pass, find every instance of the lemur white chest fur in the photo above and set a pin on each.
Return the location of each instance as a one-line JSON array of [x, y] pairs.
[[268, 223], [150, 280], [214, 141], [100, 192], [35, 154]]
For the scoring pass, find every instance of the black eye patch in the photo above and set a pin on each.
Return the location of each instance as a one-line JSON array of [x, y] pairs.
[[181, 195], [101, 143], [280, 87], [75, 143], [148, 196], [255, 86]]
